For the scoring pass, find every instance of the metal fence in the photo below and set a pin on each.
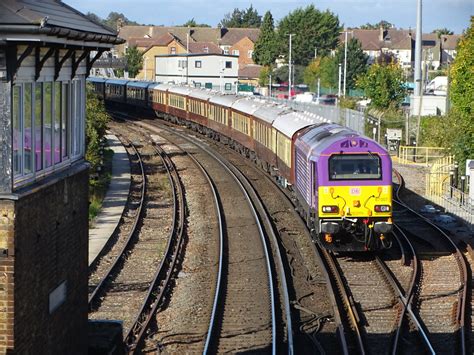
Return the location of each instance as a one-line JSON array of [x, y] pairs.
[[420, 155], [345, 117]]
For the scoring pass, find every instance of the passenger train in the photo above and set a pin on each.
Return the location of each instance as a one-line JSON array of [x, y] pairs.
[[342, 181]]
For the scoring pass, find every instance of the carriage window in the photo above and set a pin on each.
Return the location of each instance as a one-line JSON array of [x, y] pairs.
[[354, 167]]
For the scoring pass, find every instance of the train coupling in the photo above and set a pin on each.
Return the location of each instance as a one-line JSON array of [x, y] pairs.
[[330, 227], [383, 227]]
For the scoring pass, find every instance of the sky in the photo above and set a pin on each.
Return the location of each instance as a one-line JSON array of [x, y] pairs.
[[452, 14]]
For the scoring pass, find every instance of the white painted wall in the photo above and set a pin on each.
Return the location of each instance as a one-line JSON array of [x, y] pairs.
[[198, 69]]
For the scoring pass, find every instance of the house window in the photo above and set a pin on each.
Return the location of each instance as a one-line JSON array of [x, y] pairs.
[[206, 49], [228, 86], [228, 65], [197, 85], [226, 50], [236, 52], [208, 85], [173, 50], [250, 53], [182, 64], [198, 64]]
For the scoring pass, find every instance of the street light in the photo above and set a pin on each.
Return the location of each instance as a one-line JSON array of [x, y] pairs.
[[345, 60], [289, 67]]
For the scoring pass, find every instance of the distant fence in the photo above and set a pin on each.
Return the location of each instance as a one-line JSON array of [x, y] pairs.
[[420, 155], [343, 116], [440, 189]]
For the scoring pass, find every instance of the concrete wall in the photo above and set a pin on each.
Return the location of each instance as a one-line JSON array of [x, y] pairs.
[[46, 232]]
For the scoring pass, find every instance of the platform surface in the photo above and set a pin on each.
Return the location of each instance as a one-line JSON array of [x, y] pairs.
[[114, 201]]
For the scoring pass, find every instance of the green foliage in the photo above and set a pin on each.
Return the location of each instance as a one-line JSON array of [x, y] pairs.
[[242, 18], [462, 75], [312, 29], [280, 75], [134, 61], [96, 125], [324, 68], [266, 48], [264, 77], [442, 31], [347, 102], [356, 61], [384, 24], [384, 85], [112, 20], [193, 23]]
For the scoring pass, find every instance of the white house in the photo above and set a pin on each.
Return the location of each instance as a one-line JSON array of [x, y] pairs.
[[212, 71]]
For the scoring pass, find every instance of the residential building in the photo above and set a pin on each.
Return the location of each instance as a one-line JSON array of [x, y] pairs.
[[212, 71], [400, 44], [231, 41], [250, 74]]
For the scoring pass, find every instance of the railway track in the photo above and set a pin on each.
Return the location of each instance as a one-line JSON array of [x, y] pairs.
[[134, 285], [441, 299], [231, 327]]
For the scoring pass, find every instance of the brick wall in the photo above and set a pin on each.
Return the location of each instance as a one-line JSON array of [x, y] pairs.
[[243, 46], [7, 217], [51, 246]]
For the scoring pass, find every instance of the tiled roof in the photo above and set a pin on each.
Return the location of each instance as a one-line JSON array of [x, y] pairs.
[[251, 71], [200, 47], [450, 42], [48, 13], [218, 36]]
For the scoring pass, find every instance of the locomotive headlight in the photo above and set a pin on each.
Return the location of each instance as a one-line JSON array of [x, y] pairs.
[[330, 209], [382, 208]]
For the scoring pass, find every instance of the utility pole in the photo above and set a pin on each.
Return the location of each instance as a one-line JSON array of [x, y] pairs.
[[270, 86], [315, 53], [339, 82], [345, 62], [418, 43], [289, 68]]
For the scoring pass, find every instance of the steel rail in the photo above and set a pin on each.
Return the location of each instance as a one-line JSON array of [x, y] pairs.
[[133, 230], [163, 274], [220, 160], [406, 299], [462, 298]]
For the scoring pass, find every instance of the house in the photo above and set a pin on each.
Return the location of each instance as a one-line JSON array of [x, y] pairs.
[[206, 70], [250, 74], [234, 41], [401, 44]]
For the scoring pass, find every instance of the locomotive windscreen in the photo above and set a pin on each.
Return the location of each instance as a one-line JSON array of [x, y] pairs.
[[354, 167]]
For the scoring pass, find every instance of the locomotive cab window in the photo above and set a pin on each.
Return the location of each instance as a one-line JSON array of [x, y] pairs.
[[355, 167]]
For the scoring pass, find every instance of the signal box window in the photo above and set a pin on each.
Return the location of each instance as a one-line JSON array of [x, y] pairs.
[[208, 86], [354, 167], [228, 65], [198, 64], [228, 87], [197, 85]]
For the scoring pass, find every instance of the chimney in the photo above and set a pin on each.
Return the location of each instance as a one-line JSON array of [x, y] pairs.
[[150, 31], [381, 34]]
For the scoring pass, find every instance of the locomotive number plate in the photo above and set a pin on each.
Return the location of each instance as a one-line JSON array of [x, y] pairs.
[[354, 191]]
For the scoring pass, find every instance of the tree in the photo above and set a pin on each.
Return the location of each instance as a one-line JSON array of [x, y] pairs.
[[384, 24], [264, 77], [313, 29], [442, 31], [242, 18], [356, 61], [384, 85], [312, 73], [134, 61], [281, 74], [325, 69], [116, 18], [193, 23], [266, 49], [461, 94]]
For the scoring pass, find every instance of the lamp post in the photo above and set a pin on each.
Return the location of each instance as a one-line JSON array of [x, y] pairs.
[[345, 61], [456, 174], [339, 81], [451, 183], [289, 67], [270, 86], [463, 187]]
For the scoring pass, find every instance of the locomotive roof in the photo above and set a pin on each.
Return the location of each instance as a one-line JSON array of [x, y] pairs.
[[291, 122]]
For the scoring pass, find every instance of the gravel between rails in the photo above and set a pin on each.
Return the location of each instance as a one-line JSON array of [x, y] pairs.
[[246, 318], [125, 293]]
